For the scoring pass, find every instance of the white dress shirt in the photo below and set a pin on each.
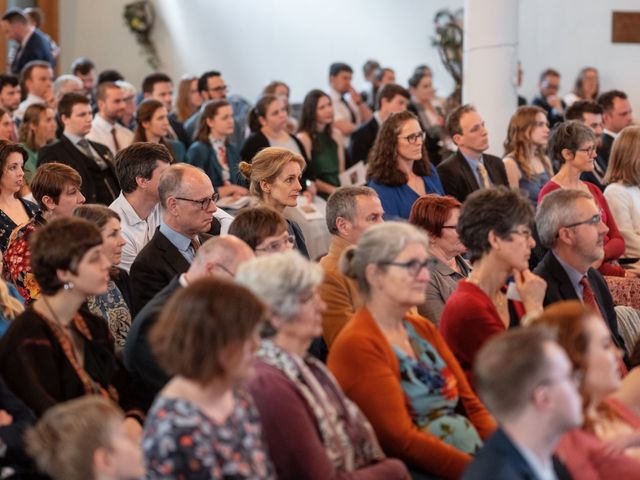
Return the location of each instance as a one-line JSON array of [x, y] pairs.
[[101, 133], [624, 203]]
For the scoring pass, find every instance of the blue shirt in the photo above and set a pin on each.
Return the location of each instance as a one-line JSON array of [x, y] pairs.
[[473, 163], [180, 241], [398, 200]]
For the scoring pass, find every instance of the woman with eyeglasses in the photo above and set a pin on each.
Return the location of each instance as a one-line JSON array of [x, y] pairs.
[[606, 446], [528, 167], [438, 216], [263, 229], [573, 146], [495, 226], [275, 177], [396, 366], [399, 169]]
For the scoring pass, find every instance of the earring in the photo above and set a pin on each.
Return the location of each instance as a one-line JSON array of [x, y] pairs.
[[68, 286]]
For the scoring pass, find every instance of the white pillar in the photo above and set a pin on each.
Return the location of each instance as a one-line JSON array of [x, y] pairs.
[[490, 64]]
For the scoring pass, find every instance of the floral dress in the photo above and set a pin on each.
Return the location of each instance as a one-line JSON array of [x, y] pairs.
[[7, 225], [17, 260], [112, 307], [181, 442], [432, 392]]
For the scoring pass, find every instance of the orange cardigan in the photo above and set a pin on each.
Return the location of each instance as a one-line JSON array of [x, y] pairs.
[[368, 370]]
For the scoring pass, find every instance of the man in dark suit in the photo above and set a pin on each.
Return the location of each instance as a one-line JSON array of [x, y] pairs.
[[616, 115], [469, 169], [32, 43], [188, 204], [392, 98], [218, 257], [570, 224], [548, 98], [535, 400], [160, 87], [91, 160]]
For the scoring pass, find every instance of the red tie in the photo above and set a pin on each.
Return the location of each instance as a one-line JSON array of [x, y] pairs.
[[115, 140]]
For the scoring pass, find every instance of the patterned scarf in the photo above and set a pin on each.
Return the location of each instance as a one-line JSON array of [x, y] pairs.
[[348, 439]]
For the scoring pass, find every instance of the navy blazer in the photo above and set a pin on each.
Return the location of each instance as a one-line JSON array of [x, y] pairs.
[[362, 140], [203, 155], [499, 459], [38, 47], [604, 150]]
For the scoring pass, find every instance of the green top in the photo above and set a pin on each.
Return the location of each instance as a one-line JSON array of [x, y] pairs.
[[31, 164], [325, 164]]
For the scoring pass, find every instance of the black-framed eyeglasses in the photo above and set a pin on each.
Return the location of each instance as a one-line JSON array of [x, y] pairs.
[[414, 267], [451, 227], [526, 233], [589, 151], [224, 269], [414, 137], [205, 203], [595, 220]]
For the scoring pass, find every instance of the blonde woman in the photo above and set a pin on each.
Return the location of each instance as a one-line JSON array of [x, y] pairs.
[[528, 167], [11, 303]]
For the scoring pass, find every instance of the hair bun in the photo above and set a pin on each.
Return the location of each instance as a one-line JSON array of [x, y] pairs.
[[245, 169]]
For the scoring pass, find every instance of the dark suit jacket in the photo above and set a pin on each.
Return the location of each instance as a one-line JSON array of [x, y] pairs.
[[38, 47], [362, 140], [553, 116], [499, 459], [459, 181], [559, 288], [98, 186], [148, 376], [178, 127], [604, 150]]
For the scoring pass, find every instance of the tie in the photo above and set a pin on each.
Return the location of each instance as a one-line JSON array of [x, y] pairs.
[[484, 176], [14, 133], [351, 112], [115, 139], [85, 148]]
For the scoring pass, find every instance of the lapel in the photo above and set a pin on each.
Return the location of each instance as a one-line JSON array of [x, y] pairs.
[[467, 173], [170, 253], [79, 158], [567, 292], [503, 446], [217, 167]]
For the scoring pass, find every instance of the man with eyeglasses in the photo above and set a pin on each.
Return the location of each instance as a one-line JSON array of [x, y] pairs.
[[469, 169], [570, 224], [188, 203], [217, 257], [548, 98], [526, 381]]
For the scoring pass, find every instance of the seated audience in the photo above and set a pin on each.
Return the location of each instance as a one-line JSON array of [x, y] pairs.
[[349, 112], [350, 212], [369, 70], [548, 99], [128, 118], [66, 84], [7, 127], [93, 161], [105, 128], [56, 350], [600, 447], [585, 88], [114, 305], [188, 203], [152, 125], [37, 129], [572, 227], [281, 89], [203, 424], [33, 43], [188, 99], [312, 430], [392, 98], [616, 115], [275, 176], [85, 70], [590, 114], [322, 143], [526, 380], [56, 190], [526, 163], [469, 169], [10, 95], [212, 152], [158, 86], [218, 257], [395, 365], [14, 210], [85, 439], [399, 169], [36, 81], [495, 226], [572, 146], [438, 216], [139, 167], [264, 229]]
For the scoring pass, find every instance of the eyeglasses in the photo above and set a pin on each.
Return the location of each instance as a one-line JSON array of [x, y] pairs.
[[224, 269], [589, 151], [278, 245], [526, 234], [414, 137], [452, 227], [595, 220], [205, 203], [413, 266]]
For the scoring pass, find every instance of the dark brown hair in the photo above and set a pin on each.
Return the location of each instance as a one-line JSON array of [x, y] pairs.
[[209, 110], [50, 180], [254, 225]]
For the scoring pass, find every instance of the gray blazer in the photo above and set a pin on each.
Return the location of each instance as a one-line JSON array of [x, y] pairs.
[[442, 284]]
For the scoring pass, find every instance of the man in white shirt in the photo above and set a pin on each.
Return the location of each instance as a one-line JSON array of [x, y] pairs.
[[349, 111], [105, 128], [37, 79]]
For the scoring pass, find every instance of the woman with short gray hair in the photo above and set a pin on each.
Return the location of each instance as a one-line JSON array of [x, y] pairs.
[[312, 429], [572, 146], [397, 367]]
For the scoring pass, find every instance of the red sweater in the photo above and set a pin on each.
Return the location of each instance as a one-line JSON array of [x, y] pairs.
[[368, 370]]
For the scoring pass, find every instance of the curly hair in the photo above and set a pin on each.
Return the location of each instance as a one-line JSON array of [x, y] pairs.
[[518, 140], [383, 158]]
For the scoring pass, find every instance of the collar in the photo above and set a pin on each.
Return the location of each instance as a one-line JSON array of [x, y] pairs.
[[103, 123], [574, 275], [31, 98], [73, 138], [543, 471], [610, 133], [376, 115], [444, 269], [217, 142], [473, 163], [180, 241], [27, 37], [128, 212]]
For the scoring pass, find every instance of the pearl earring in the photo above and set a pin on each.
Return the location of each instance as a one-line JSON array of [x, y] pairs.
[[68, 286]]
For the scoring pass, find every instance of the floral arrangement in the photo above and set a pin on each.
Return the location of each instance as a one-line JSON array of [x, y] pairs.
[[448, 41], [139, 17]]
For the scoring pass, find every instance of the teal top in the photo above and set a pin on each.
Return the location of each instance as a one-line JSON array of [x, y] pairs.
[[432, 393], [31, 164], [325, 163]]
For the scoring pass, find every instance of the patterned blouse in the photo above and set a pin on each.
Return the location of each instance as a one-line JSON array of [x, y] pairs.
[[181, 442], [7, 225], [112, 307], [432, 392]]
